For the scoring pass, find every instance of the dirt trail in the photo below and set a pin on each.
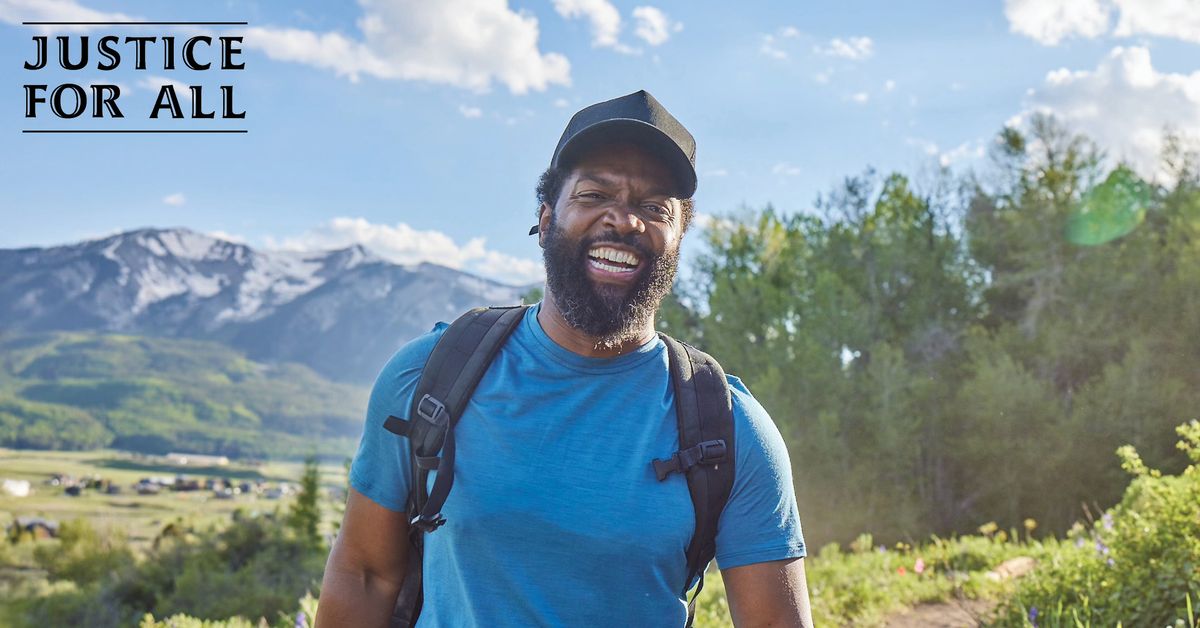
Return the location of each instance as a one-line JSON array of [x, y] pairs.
[[953, 614]]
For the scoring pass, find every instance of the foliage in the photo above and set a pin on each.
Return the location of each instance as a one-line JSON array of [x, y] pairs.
[[934, 351], [304, 518], [252, 567], [1138, 565], [156, 395]]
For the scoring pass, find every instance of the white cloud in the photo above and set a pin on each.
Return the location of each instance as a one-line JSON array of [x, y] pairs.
[[603, 16], [861, 98], [561, 102], [653, 26], [465, 43], [1124, 105], [769, 49], [967, 151], [470, 112], [154, 84], [175, 200], [790, 32], [719, 172], [824, 76], [889, 85], [786, 169], [1050, 21], [963, 152], [1167, 18], [853, 48], [402, 244], [17, 11], [228, 237]]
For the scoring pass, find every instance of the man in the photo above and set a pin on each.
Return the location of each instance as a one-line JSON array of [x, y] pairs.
[[556, 517]]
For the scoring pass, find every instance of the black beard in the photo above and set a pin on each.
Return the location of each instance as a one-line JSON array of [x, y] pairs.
[[610, 314]]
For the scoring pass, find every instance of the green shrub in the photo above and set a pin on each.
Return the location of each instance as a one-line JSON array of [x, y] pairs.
[[1139, 565]]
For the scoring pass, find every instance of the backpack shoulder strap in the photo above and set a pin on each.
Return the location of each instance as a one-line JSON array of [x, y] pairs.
[[704, 411], [453, 371]]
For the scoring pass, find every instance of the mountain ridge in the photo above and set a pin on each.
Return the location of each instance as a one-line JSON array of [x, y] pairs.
[[342, 312]]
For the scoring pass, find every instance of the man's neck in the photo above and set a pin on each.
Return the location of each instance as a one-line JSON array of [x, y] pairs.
[[561, 332]]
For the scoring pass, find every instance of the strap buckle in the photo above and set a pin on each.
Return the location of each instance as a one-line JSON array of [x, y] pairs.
[[427, 524], [707, 452], [432, 410]]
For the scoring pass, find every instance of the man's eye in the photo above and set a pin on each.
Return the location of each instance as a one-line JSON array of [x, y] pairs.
[[658, 209]]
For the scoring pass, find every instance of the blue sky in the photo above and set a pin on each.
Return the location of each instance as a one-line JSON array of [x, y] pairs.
[[419, 128]]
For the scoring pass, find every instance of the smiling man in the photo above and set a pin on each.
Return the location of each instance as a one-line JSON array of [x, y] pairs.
[[558, 517]]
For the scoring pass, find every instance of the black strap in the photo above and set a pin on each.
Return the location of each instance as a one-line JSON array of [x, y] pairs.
[[453, 371], [704, 412]]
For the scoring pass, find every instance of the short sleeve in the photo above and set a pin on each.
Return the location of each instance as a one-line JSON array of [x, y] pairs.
[[761, 521], [380, 469]]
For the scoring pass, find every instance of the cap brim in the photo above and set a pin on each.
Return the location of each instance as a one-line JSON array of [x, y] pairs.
[[636, 132]]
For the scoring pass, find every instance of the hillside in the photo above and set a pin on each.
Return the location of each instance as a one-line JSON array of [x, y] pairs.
[[342, 313], [154, 395]]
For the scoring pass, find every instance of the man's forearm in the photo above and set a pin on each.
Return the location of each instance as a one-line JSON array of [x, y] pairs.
[[355, 598]]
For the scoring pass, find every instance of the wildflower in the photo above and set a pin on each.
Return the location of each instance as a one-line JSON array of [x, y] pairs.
[[988, 528], [1107, 520], [1079, 542], [901, 570], [1101, 548], [1030, 525], [1111, 562], [919, 567], [1033, 615], [301, 620], [881, 549]]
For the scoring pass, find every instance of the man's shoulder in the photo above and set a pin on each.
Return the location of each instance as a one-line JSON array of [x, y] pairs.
[[410, 359]]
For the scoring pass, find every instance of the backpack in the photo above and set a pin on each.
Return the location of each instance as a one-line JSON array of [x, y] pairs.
[[704, 415]]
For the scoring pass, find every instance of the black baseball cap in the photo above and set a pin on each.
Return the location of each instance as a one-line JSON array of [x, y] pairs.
[[637, 118]]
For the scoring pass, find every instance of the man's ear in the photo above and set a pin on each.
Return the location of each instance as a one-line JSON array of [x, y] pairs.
[[544, 213]]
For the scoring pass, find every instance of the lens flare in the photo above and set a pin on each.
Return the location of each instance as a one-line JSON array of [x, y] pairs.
[[1109, 210]]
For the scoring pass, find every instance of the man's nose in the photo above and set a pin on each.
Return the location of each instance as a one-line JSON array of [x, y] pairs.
[[623, 218]]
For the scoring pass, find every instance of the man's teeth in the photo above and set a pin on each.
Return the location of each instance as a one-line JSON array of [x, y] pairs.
[[610, 268], [614, 255]]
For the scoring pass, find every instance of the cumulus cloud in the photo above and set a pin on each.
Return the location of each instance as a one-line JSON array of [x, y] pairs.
[[853, 48], [175, 200], [1166, 18], [17, 11], [604, 18], [1125, 105], [401, 244], [470, 112], [860, 98], [465, 43], [1051, 21], [653, 26]]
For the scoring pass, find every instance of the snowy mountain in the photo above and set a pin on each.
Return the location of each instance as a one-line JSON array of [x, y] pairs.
[[341, 312]]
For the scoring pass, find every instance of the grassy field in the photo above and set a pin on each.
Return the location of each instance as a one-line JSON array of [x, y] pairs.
[[141, 516]]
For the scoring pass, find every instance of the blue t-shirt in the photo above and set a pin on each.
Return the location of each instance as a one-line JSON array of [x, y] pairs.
[[556, 517]]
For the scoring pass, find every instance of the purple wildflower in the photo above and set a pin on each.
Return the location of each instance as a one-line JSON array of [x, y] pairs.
[[1079, 542], [1107, 520], [1111, 562], [301, 620], [1033, 615], [1101, 548]]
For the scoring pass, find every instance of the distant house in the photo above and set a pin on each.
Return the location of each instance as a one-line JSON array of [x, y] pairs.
[[197, 460], [15, 488]]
